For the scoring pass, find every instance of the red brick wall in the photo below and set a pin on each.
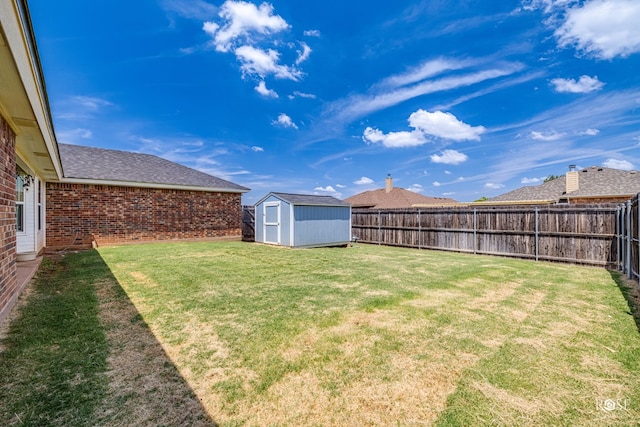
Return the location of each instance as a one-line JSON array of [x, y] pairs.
[[78, 214], [8, 285]]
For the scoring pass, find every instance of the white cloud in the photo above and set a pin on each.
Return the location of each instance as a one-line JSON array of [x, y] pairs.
[[585, 84], [449, 193], [388, 93], [82, 133], [548, 136], [438, 124], [71, 136], [285, 121], [436, 184], [394, 139], [603, 29], [264, 91], [243, 21], [589, 132], [261, 62], [531, 180], [423, 71], [303, 54], [548, 6], [447, 172], [416, 188], [341, 186], [444, 125], [312, 33], [257, 149], [90, 102], [618, 164], [191, 9], [450, 157], [302, 95], [327, 189], [363, 181], [493, 186]]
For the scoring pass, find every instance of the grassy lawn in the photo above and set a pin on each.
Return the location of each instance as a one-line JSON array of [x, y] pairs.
[[245, 334]]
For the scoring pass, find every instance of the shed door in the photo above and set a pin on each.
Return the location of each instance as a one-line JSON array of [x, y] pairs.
[[272, 222]]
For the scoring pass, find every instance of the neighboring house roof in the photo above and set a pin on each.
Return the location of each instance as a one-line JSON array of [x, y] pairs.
[[396, 198], [593, 182], [114, 167], [306, 199]]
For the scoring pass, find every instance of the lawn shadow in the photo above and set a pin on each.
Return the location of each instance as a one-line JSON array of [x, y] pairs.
[[78, 352], [630, 290]]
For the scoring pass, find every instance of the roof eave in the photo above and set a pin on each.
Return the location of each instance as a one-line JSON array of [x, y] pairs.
[[116, 183], [515, 202]]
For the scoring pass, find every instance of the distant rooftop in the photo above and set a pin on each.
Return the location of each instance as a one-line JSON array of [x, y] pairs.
[[396, 198], [126, 167], [593, 182]]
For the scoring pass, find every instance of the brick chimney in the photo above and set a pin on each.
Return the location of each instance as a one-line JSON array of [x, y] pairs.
[[389, 183], [572, 179]]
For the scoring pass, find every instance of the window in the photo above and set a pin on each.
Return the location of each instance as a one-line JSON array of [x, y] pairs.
[[20, 181]]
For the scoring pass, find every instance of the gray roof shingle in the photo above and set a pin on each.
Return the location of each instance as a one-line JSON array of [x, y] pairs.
[[309, 199], [127, 167], [594, 181]]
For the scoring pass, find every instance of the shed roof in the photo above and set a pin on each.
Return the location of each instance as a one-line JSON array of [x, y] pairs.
[[89, 163], [396, 198], [594, 181], [307, 199]]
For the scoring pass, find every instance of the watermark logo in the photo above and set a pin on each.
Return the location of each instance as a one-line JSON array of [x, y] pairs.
[[610, 405]]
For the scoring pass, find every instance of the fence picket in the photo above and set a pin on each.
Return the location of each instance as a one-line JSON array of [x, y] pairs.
[[583, 234]]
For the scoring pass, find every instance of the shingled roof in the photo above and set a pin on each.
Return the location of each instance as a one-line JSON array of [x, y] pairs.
[[88, 163], [593, 182], [308, 199], [396, 198]]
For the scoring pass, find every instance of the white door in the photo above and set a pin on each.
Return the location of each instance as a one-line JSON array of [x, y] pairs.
[[271, 221]]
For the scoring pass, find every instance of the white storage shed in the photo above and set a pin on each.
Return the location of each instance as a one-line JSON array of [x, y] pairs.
[[300, 220]]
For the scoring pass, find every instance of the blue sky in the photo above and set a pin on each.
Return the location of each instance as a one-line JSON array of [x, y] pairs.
[[459, 99]]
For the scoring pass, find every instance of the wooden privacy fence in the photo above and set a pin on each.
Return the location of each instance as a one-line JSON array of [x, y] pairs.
[[581, 234], [628, 242], [248, 223]]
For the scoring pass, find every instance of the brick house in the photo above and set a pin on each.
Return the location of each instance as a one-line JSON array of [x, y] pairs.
[[58, 196], [594, 184], [109, 196]]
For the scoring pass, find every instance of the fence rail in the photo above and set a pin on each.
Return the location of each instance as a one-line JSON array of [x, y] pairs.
[[582, 234]]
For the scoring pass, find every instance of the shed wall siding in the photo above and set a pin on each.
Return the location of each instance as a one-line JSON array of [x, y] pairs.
[[77, 214], [322, 225], [8, 285]]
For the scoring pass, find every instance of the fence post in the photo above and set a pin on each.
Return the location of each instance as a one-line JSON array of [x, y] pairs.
[[536, 230], [379, 228], [618, 239], [628, 254], [637, 237], [419, 230], [475, 227], [623, 238]]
